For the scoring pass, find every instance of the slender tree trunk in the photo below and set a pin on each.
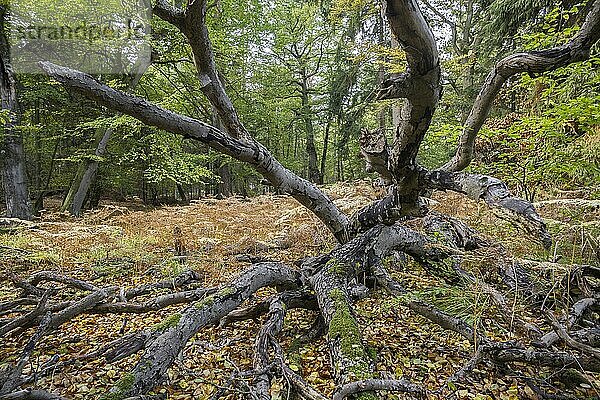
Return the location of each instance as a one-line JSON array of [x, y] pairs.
[[467, 47], [87, 174], [381, 73], [182, 193], [14, 177], [39, 203], [68, 199], [225, 186], [324, 154], [144, 191], [38, 150], [314, 175]]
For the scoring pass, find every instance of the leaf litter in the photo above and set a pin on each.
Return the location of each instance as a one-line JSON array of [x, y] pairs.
[[128, 245]]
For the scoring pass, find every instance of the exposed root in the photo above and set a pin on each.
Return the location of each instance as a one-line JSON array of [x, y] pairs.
[[323, 284]]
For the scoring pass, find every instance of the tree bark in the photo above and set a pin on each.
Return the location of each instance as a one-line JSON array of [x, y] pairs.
[[14, 177], [89, 174], [161, 353], [314, 175]]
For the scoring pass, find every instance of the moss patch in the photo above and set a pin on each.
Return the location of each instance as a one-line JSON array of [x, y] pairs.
[[335, 267], [206, 302], [122, 387], [366, 396], [167, 323], [226, 291], [210, 300], [344, 327]]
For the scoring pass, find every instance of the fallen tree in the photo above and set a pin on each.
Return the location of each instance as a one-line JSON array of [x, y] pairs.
[[373, 243]]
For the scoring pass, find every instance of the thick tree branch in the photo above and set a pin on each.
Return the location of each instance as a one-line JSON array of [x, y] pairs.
[[401, 385], [564, 335], [577, 49], [400, 86], [13, 379], [496, 194], [31, 394], [168, 13], [271, 328], [183, 279], [420, 85], [248, 151], [385, 211], [414, 34], [575, 314], [28, 319], [374, 149], [161, 352], [193, 26], [51, 276]]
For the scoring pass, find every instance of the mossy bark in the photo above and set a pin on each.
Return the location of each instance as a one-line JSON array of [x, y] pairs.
[[349, 357]]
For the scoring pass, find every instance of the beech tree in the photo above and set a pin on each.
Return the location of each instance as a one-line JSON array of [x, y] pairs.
[[367, 240], [14, 179]]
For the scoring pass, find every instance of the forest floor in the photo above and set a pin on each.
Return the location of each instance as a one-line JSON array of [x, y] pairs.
[[126, 244]]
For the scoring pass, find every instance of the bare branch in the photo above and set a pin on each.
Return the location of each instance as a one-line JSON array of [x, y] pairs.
[[389, 385], [414, 34], [28, 319], [31, 394], [575, 314], [161, 352], [420, 85], [51, 276], [446, 21], [14, 380], [248, 151], [168, 13], [562, 333]]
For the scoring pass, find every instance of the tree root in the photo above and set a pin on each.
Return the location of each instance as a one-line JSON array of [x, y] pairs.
[[323, 284]]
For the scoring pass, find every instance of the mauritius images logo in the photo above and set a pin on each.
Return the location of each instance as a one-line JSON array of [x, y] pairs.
[[93, 36]]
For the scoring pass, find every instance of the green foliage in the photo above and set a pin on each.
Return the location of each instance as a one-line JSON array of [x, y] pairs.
[[4, 117], [164, 160], [262, 52], [555, 144], [558, 147], [439, 144], [508, 17], [543, 133]]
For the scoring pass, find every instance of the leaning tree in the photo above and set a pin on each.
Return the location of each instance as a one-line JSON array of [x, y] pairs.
[[367, 240]]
